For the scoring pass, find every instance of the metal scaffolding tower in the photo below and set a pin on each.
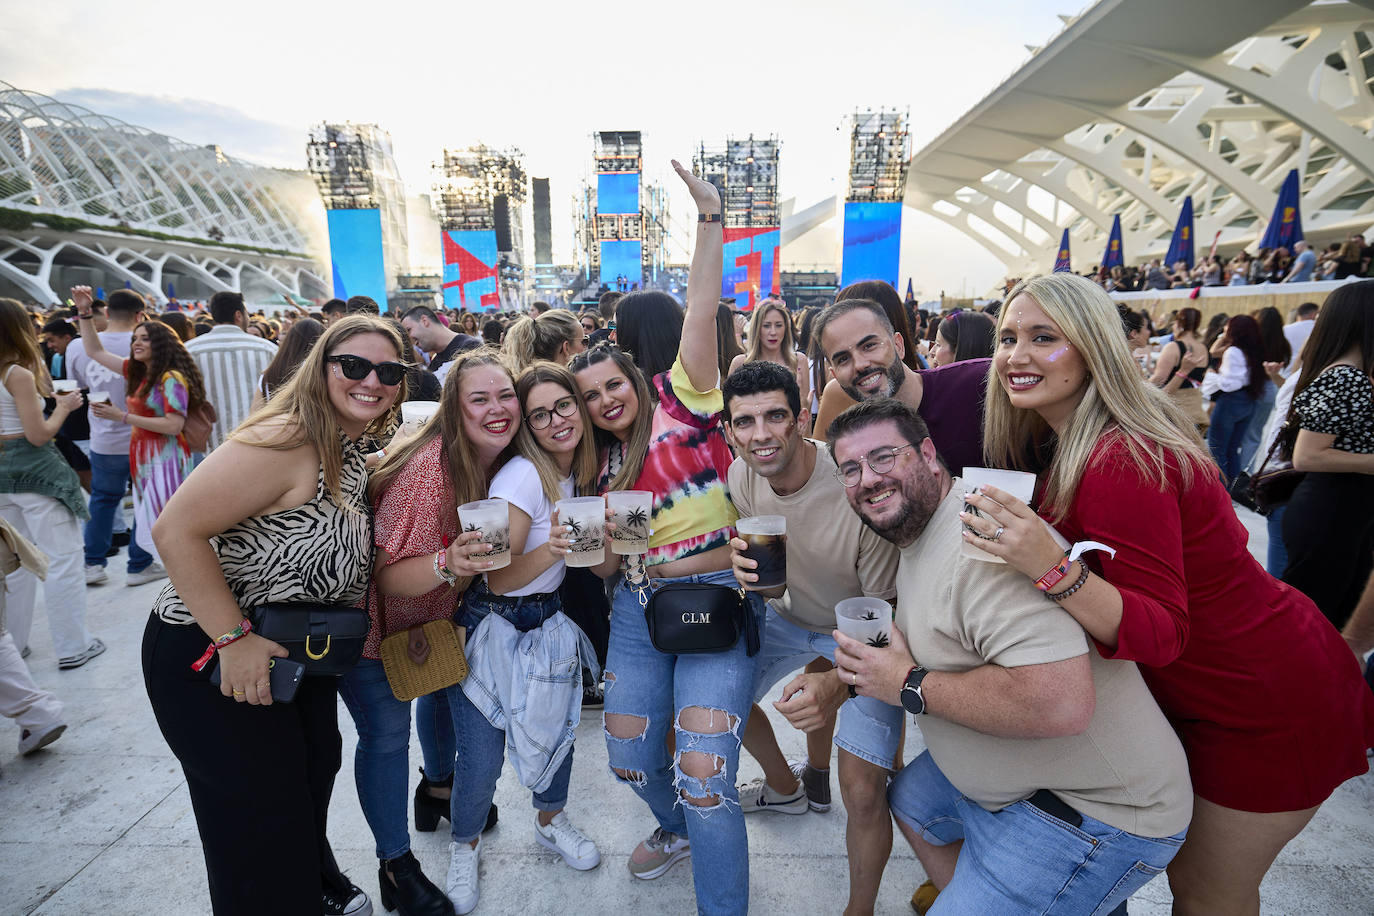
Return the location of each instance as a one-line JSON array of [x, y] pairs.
[[879, 150], [746, 174], [482, 188]]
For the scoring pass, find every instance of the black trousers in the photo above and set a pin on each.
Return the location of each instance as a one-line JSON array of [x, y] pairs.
[[584, 603], [1328, 529], [260, 778]]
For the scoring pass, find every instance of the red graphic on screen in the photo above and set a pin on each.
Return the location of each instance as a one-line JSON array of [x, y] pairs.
[[744, 248], [470, 269]]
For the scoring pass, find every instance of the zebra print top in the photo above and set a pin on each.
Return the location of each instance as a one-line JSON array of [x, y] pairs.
[[318, 551]]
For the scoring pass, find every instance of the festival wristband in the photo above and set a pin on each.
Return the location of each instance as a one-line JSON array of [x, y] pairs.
[[1057, 572], [243, 629]]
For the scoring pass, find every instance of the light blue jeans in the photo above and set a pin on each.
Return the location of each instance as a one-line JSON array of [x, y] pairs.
[[869, 729], [1022, 859], [1264, 406], [653, 687]]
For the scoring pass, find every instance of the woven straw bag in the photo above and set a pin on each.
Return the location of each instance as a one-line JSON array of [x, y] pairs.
[[423, 658]]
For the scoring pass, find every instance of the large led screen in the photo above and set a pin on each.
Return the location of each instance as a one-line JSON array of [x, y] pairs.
[[622, 259], [872, 241], [752, 266], [470, 270], [617, 192], [355, 248]]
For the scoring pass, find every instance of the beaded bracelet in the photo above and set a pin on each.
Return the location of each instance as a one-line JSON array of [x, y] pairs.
[[1078, 583], [243, 629]]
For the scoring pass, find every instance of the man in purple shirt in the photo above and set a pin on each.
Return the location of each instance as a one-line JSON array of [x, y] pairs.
[[866, 356]]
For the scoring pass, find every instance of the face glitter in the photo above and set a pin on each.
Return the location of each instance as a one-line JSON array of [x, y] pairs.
[[1054, 357]]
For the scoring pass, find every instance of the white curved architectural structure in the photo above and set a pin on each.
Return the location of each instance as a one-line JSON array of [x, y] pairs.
[[229, 224], [1139, 103]]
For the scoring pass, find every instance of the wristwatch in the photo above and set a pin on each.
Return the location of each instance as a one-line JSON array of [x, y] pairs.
[[913, 701]]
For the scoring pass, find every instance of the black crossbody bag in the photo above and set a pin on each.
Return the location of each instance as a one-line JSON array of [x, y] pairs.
[[690, 617], [326, 638]]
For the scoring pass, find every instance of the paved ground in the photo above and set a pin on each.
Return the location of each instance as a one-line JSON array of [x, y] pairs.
[[100, 821]]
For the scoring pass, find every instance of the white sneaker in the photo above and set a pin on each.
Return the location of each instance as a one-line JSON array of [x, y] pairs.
[[151, 573], [30, 741], [756, 795], [462, 876], [76, 661], [96, 575], [569, 842]]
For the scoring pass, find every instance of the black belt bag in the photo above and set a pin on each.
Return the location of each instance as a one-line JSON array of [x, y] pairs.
[[689, 617], [326, 638]]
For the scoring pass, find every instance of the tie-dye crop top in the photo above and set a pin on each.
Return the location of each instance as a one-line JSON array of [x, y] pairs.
[[685, 469]]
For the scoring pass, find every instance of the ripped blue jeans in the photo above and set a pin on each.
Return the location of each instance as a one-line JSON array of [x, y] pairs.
[[712, 692]]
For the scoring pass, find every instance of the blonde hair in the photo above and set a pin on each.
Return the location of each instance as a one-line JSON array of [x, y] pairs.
[[302, 402], [1116, 400], [460, 460], [585, 465], [531, 339], [755, 350]]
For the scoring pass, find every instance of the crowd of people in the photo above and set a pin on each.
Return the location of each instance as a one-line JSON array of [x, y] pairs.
[[1349, 257], [1124, 691]]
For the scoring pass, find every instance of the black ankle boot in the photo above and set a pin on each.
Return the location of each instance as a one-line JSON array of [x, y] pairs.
[[429, 808], [410, 891]]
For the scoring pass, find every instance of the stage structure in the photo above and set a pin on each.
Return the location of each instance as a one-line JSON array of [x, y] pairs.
[[621, 223], [355, 171], [547, 285], [746, 174], [878, 152], [479, 193]]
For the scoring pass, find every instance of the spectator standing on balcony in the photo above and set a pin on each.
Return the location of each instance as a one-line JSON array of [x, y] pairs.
[[1155, 277], [1303, 264], [110, 443], [1211, 271], [230, 361]]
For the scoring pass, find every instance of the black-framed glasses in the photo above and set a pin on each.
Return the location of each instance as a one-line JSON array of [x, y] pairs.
[[539, 419], [879, 461], [357, 368]]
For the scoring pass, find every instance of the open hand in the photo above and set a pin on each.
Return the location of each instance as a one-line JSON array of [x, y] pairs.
[[704, 194], [82, 298]]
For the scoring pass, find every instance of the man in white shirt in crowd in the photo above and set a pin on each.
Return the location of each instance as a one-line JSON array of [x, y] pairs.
[[231, 361], [431, 335], [1298, 332], [1051, 781], [831, 556], [110, 444]]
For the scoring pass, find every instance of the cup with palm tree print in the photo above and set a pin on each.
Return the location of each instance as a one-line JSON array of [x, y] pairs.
[[585, 519], [869, 620], [631, 511], [492, 518]]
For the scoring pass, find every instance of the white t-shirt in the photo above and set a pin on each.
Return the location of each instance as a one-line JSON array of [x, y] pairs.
[[108, 437], [1297, 334], [518, 483]]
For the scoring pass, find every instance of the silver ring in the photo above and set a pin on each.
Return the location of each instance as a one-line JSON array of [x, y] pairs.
[[998, 534]]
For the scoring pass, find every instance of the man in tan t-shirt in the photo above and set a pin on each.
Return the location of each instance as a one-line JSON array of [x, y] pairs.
[[831, 556], [1051, 767]]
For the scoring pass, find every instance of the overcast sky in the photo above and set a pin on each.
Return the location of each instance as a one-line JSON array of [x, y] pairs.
[[542, 76]]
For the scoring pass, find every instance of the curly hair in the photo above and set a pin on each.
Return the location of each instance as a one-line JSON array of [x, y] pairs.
[[168, 355]]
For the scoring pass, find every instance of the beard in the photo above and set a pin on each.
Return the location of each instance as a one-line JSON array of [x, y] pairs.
[[920, 496], [895, 375]]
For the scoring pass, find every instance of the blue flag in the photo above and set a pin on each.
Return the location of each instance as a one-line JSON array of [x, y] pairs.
[[910, 294], [1285, 226], [1113, 257], [1181, 245], [1061, 260]]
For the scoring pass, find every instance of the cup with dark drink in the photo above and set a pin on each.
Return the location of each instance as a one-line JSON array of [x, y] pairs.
[[766, 537]]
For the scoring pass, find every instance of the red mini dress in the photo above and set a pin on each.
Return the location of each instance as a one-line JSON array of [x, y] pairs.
[[1266, 697]]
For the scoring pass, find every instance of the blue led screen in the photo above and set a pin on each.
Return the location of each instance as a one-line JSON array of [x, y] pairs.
[[355, 248], [621, 259], [872, 241], [617, 192]]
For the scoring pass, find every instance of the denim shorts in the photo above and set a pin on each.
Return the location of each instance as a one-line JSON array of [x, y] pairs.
[[1023, 859], [869, 729]]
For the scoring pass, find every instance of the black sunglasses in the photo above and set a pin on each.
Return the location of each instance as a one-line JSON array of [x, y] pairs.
[[357, 369]]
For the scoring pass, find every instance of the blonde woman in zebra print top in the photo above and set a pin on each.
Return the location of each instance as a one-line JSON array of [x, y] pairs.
[[278, 512]]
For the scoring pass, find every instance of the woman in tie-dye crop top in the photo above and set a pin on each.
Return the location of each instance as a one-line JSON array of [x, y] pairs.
[[667, 439]]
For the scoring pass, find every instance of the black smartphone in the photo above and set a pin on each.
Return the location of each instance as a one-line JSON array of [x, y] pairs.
[[285, 676]]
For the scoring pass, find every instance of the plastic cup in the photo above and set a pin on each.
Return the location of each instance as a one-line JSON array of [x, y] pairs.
[[492, 518], [63, 385], [766, 536], [869, 620], [98, 397], [414, 415], [633, 510], [1018, 483], [585, 518]]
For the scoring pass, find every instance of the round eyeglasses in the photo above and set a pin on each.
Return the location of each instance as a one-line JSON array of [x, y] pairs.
[[541, 418], [879, 461]]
